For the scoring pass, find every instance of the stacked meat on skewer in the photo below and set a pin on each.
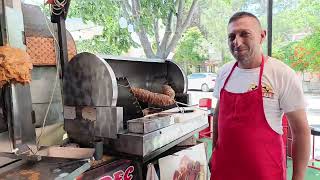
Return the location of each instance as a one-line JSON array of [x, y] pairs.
[[166, 98]]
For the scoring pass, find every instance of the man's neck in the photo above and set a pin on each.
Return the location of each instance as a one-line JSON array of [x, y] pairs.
[[251, 63]]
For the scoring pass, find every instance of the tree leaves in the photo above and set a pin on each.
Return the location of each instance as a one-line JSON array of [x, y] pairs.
[[143, 14], [298, 19], [303, 55], [192, 47], [105, 13]]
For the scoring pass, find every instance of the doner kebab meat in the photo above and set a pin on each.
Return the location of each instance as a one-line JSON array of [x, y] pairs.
[[15, 66], [167, 90], [165, 99]]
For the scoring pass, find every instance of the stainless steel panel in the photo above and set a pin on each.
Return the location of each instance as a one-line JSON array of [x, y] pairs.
[[5, 142], [54, 114], [89, 81], [109, 122], [69, 112], [150, 123], [126, 58], [24, 130], [3, 120], [145, 144], [147, 75], [150, 75], [67, 152], [102, 122], [15, 27], [177, 78], [43, 79], [80, 131], [6, 161]]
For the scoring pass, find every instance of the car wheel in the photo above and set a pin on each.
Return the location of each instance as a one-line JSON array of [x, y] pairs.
[[204, 88]]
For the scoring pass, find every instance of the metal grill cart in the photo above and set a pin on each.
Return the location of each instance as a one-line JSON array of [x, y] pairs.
[[101, 115]]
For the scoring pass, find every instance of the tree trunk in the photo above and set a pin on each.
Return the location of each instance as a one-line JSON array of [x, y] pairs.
[[145, 43], [180, 28]]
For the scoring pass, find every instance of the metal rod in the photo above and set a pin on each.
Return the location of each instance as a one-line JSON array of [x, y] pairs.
[[270, 7], [3, 33], [313, 141], [63, 50], [194, 106]]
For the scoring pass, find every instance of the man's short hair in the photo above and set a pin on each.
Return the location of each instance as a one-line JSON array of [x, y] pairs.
[[242, 14]]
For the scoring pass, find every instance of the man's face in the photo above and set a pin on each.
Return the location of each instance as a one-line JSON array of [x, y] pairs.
[[245, 38]]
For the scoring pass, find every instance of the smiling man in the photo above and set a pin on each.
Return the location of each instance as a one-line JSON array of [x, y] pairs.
[[253, 95]]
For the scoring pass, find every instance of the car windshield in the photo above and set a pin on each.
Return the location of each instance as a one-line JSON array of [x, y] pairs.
[[202, 75], [196, 76]]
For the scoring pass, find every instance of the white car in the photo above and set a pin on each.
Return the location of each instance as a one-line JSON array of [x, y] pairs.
[[201, 81]]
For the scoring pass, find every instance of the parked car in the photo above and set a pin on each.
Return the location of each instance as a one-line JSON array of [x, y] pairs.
[[201, 81]]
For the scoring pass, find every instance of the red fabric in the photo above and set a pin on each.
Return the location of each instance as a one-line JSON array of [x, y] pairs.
[[50, 2], [247, 148], [207, 132], [205, 102], [285, 132]]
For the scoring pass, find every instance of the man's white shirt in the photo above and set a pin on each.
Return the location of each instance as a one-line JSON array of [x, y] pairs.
[[282, 89]]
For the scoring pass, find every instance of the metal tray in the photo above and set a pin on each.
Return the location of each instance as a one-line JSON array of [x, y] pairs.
[[150, 123]]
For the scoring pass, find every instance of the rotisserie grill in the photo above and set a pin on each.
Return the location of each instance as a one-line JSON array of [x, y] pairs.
[[102, 101]]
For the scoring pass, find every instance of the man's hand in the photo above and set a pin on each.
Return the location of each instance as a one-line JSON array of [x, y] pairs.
[[214, 131], [301, 142], [215, 126]]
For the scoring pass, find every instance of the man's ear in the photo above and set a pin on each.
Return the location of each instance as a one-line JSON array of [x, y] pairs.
[[263, 36]]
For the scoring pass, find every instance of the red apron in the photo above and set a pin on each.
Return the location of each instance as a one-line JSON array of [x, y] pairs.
[[247, 148]]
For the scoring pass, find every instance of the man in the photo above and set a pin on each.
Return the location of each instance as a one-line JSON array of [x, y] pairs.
[[253, 94]]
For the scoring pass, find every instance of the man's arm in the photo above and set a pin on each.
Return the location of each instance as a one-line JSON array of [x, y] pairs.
[[301, 142], [214, 130], [215, 125]]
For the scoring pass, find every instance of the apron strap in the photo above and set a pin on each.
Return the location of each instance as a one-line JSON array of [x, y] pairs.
[[260, 73], [225, 82]]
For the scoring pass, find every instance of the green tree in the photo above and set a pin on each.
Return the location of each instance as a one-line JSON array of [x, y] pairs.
[[192, 48], [113, 40], [214, 21], [303, 55], [300, 17], [147, 17]]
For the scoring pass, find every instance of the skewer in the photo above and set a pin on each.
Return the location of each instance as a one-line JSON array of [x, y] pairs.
[[193, 106]]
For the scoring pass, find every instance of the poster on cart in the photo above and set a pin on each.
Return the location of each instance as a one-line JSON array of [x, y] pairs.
[[188, 164]]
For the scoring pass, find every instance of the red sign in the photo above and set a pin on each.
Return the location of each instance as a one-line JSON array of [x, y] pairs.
[[120, 175]]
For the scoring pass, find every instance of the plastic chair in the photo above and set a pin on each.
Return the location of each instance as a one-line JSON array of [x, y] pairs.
[[207, 132]]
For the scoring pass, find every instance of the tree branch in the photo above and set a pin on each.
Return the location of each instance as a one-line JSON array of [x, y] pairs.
[[186, 23], [126, 4], [145, 43], [166, 36], [174, 41], [180, 13], [126, 8], [156, 32]]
